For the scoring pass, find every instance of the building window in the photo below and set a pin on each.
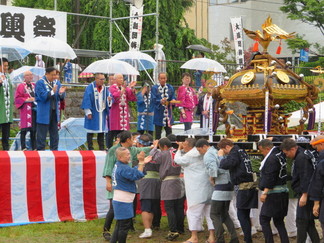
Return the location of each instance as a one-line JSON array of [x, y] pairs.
[[216, 2]]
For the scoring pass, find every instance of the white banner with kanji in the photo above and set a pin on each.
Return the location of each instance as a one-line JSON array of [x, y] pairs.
[[135, 28], [27, 23], [51, 186], [238, 39]]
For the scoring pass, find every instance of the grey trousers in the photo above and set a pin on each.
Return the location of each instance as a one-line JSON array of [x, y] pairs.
[[219, 215]]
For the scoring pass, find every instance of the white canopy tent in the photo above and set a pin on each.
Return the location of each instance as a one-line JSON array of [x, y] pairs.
[[296, 116]]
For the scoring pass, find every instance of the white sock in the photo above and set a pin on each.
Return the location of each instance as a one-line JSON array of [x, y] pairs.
[[148, 230]]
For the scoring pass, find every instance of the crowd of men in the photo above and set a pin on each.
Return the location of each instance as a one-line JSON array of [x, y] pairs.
[[106, 107], [38, 105], [211, 176], [205, 179]]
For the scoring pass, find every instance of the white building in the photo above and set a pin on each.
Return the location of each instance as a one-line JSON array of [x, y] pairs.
[[6, 2], [253, 14], [211, 20]]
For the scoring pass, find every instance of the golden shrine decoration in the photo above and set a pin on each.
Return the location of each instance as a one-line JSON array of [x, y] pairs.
[[270, 32], [282, 76], [266, 77], [247, 77]]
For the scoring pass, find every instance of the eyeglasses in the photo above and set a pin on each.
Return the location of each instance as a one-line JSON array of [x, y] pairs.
[[101, 79]]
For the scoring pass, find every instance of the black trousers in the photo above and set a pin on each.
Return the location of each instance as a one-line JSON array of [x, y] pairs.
[[142, 132], [245, 222], [111, 135], [158, 131], [32, 138], [109, 217], [219, 215], [5, 127], [175, 213], [156, 210], [41, 133], [187, 125], [305, 226], [121, 230], [100, 140], [305, 223], [280, 225]]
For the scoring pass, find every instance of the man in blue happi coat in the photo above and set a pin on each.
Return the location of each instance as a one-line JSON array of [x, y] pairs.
[[161, 95], [48, 94], [96, 102]]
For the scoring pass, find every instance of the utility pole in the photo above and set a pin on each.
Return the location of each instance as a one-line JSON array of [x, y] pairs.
[[77, 23]]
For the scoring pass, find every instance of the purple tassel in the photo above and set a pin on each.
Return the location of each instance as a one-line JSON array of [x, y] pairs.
[[311, 119], [215, 121]]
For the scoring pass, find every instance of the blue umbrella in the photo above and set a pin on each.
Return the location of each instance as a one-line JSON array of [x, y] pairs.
[[12, 49], [72, 134], [139, 60]]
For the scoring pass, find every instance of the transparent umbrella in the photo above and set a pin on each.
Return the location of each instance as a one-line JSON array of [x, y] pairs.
[[111, 66], [204, 64], [51, 47], [17, 75], [137, 59], [72, 134], [13, 49]]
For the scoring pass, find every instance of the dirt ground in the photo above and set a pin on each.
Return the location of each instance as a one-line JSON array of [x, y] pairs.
[[158, 237]]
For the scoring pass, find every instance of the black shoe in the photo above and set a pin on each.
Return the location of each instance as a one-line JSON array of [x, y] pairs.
[[106, 235], [156, 228], [132, 228], [172, 236], [181, 232]]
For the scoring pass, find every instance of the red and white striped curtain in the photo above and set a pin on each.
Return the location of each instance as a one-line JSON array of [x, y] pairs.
[[51, 186]]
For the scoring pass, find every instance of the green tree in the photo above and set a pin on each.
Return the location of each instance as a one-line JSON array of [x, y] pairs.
[[308, 11], [297, 44], [174, 33]]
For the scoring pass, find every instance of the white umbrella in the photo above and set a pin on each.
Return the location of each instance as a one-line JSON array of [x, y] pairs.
[[111, 66], [51, 47], [13, 49], [137, 59], [18, 74], [204, 64]]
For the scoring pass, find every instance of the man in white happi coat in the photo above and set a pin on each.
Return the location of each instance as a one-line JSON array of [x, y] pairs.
[[198, 188]]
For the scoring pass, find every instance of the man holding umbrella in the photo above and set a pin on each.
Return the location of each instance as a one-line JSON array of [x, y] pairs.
[[48, 93], [6, 102]]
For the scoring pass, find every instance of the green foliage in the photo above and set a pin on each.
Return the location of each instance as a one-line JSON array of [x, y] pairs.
[[307, 65], [308, 11], [319, 48], [297, 44], [174, 33], [292, 106]]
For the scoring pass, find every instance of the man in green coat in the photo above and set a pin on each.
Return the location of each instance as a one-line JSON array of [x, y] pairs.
[[126, 140], [6, 102]]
